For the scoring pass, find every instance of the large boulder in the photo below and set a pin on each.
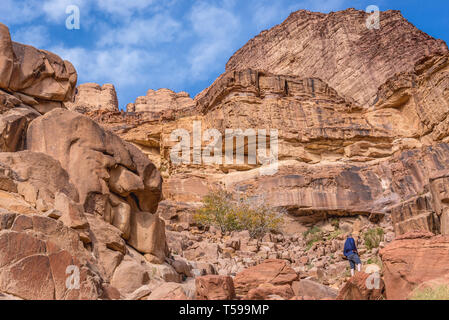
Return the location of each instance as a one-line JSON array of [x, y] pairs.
[[37, 256], [214, 287], [362, 287], [147, 235], [113, 179], [313, 289], [169, 291], [129, 276], [411, 260], [42, 74], [268, 291], [275, 272], [90, 155], [35, 73], [32, 82], [38, 178]]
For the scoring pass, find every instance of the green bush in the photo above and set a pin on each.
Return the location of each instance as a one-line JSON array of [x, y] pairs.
[[373, 238], [335, 234], [222, 210], [312, 231], [313, 236], [440, 292]]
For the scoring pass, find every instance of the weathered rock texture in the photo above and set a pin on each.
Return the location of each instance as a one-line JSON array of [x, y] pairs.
[[215, 287], [93, 97], [113, 178], [362, 127], [272, 271], [162, 100], [339, 49], [362, 287], [411, 260], [35, 254], [37, 74], [72, 200]]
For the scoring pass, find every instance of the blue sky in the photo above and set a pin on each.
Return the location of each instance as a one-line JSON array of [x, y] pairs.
[[182, 45]]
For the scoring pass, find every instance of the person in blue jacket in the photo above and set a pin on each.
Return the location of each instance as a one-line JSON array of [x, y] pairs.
[[350, 252]]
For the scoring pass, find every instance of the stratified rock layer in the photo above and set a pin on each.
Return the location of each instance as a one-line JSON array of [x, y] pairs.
[[92, 97], [362, 130], [162, 100], [339, 49]]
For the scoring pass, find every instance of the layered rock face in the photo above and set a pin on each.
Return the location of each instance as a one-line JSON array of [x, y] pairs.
[[162, 100], [335, 158], [92, 97], [339, 49], [361, 120]]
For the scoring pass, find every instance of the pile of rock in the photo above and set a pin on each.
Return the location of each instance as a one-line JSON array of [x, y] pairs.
[[320, 258], [73, 196]]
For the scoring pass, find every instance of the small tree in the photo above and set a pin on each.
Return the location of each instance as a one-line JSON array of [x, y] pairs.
[[231, 213], [217, 211]]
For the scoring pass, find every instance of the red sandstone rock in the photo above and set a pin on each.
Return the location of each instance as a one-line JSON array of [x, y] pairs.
[[93, 97], [275, 272], [362, 287], [213, 287], [410, 262], [268, 291]]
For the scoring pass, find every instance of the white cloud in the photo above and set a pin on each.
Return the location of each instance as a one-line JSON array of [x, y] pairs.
[[18, 12], [143, 32], [36, 36], [120, 66], [123, 8], [216, 29]]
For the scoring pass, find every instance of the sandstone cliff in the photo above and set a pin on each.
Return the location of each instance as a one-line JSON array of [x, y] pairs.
[[339, 49], [362, 128]]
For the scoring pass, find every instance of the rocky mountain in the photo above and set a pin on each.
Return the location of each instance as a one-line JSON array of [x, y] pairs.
[[339, 49], [362, 136]]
